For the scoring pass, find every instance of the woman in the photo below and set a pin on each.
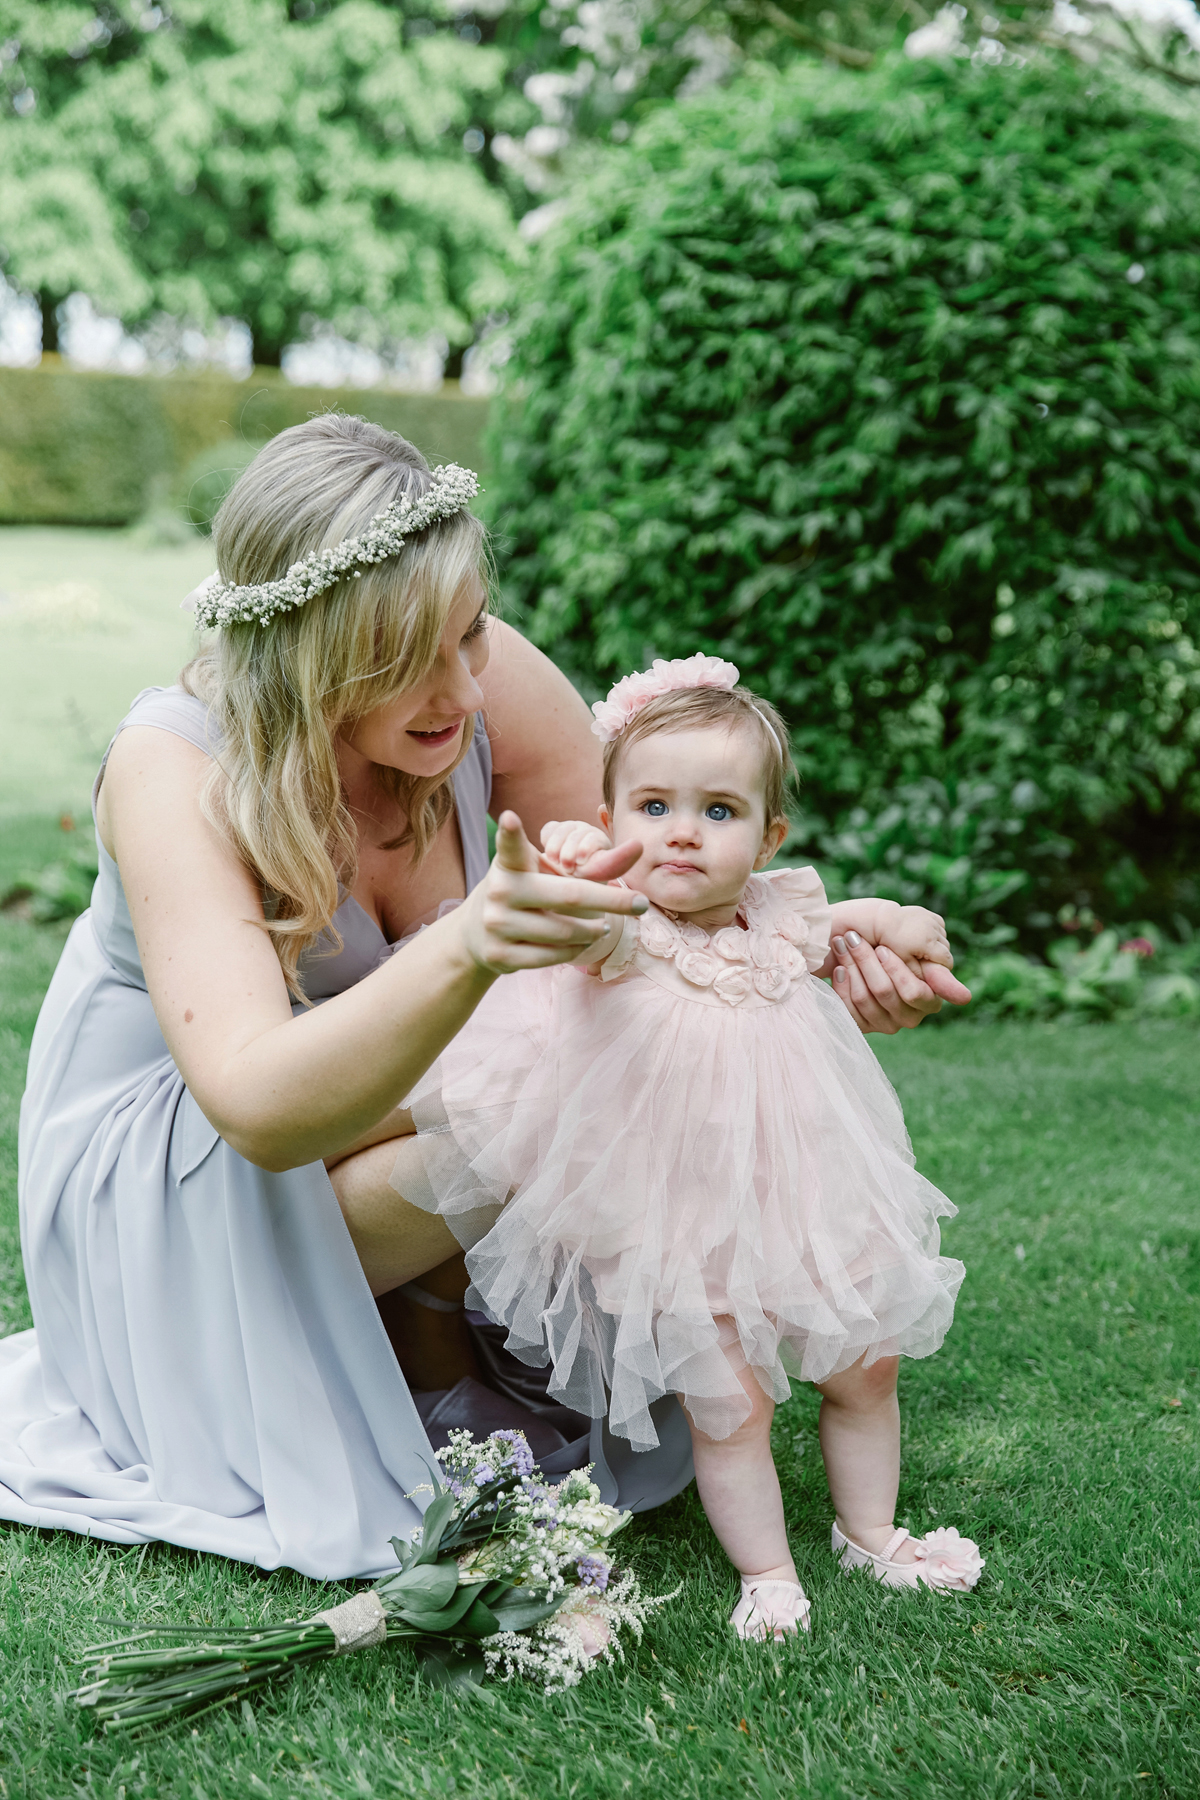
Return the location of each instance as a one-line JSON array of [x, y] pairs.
[[214, 1108]]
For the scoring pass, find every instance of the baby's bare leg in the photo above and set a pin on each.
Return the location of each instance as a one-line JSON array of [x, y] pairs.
[[860, 1441], [739, 1490]]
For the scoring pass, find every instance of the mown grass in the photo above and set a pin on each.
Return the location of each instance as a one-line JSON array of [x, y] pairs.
[[1058, 1427], [87, 619]]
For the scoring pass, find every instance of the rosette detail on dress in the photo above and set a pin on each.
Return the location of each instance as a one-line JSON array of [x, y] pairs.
[[782, 933]]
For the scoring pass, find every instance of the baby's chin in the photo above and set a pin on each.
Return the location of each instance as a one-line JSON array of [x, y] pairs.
[[680, 893]]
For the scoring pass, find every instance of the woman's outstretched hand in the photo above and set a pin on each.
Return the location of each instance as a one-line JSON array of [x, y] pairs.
[[880, 991], [521, 917]]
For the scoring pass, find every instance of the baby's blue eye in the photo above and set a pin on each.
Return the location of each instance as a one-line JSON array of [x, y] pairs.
[[717, 811], [655, 809]]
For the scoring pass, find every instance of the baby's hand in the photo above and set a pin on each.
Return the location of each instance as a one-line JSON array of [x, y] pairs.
[[917, 936], [569, 846]]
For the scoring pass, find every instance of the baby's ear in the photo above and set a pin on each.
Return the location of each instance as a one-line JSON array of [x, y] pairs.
[[605, 818], [773, 836]]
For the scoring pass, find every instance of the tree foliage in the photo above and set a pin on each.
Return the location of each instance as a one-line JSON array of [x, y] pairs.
[[239, 158], [888, 389]]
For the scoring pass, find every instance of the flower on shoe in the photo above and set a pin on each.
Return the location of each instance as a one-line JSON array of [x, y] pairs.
[[656, 936], [700, 967], [730, 943], [772, 983], [948, 1560], [733, 984]]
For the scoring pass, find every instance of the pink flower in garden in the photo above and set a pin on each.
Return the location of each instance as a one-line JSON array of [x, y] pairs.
[[656, 937], [733, 984], [627, 698], [1138, 946], [700, 967], [730, 943]]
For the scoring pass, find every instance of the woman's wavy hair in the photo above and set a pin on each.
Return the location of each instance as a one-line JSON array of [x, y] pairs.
[[279, 693]]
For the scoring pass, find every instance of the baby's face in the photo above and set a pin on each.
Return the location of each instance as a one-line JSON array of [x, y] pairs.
[[695, 800]]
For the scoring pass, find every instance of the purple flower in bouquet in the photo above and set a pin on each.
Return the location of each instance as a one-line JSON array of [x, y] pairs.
[[593, 1572]]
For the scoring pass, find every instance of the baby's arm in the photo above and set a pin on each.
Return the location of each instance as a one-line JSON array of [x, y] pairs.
[[917, 935]]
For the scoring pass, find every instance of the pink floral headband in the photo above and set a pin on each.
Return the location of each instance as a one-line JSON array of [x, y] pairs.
[[634, 692]]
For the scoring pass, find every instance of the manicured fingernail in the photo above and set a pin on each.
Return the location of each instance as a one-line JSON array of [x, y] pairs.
[[853, 939], [839, 945], [882, 952], [640, 905], [839, 974]]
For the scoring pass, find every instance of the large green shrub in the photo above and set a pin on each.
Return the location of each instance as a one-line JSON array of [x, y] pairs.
[[888, 388]]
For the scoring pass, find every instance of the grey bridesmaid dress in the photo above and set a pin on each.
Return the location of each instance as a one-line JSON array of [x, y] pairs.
[[207, 1365]]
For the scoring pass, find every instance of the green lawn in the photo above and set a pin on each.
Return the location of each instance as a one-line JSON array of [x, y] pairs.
[[1058, 1427], [87, 619]]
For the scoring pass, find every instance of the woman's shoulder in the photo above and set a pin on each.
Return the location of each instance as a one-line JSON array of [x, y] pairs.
[[176, 710]]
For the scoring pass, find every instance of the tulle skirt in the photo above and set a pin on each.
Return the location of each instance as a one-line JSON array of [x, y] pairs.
[[657, 1193]]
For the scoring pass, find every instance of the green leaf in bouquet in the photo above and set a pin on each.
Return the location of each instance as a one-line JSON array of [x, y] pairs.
[[439, 1619], [423, 1587], [522, 1614], [437, 1517], [443, 1664], [479, 1622]]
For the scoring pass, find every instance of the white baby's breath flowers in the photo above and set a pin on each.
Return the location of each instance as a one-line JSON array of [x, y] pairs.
[[220, 602]]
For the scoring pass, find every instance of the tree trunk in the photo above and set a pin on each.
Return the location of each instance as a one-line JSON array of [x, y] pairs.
[[49, 308], [266, 351]]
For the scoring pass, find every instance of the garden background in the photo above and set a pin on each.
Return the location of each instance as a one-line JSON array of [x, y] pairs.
[[855, 344]]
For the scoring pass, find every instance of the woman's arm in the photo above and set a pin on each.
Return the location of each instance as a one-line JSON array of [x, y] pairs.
[[546, 763], [286, 1091]]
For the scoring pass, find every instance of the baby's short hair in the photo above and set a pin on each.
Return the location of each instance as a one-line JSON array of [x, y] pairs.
[[692, 709]]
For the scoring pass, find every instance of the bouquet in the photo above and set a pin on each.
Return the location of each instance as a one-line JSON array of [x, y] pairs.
[[507, 1575]]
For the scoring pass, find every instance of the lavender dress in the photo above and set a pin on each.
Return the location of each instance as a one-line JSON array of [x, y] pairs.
[[207, 1365]]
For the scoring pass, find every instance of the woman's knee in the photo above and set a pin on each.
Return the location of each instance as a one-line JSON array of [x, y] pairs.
[[863, 1388]]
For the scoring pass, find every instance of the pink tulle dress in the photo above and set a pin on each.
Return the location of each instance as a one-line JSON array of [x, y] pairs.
[[686, 1161]]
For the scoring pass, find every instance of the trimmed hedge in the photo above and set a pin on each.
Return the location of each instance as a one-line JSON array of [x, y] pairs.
[[81, 448], [888, 389]]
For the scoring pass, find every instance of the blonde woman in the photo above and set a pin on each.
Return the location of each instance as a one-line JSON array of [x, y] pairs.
[[214, 1110]]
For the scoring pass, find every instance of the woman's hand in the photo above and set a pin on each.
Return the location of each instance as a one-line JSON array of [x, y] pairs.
[[882, 993], [520, 917]]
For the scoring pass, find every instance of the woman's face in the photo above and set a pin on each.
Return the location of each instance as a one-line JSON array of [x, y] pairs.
[[420, 731]]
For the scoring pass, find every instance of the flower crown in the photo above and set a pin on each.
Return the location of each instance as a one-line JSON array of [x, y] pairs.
[[216, 602], [634, 692]]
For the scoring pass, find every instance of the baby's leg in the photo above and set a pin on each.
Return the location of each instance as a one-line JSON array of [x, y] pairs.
[[860, 1441], [739, 1490]]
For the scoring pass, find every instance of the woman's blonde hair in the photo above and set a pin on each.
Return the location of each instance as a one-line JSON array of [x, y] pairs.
[[279, 693], [694, 709]]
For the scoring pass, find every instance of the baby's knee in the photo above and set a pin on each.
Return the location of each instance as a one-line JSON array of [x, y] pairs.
[[863, 1387], [754, 1427]]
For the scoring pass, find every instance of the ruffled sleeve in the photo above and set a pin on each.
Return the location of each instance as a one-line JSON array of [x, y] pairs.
[[792, 903]]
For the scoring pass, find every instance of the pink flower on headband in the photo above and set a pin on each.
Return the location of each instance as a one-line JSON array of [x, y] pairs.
[[626, 700]]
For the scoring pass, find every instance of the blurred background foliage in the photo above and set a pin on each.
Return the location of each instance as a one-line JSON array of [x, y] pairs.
[[856, 342], [887, 387]]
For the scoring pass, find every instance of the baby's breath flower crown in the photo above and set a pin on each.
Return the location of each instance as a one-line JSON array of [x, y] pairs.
[[220, 602]]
